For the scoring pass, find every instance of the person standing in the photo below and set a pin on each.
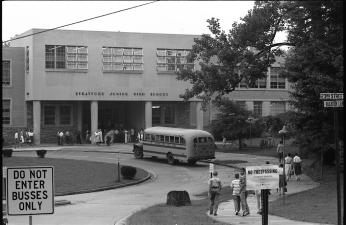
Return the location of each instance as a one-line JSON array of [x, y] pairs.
[[141, 135], [258, 198], [224, 141], [16, 139], [61, 138], [132, 135], [282, 182], [31, 137], [288, 166], [280, 151], [215, 187], [235, 185], [297, 164], [243, 193], [87, 137]]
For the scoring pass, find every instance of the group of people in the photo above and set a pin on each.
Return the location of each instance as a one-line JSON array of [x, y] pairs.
[[115, 136], [68, 137], [291, 162], [23, 137], [239, 191]]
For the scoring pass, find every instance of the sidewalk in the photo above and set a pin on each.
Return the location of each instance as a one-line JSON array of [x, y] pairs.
[[226, 212]]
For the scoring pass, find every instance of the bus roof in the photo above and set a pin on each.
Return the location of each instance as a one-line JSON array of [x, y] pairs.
[[176, 131]]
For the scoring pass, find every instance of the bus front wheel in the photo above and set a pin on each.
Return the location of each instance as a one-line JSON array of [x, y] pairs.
[[170, 158], [138, 153]]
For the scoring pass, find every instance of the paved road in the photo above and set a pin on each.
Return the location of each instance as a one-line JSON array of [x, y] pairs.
[[113, 206], [109, 207]]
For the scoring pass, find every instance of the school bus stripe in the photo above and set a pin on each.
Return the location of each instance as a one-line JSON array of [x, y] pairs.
[[165, 146]]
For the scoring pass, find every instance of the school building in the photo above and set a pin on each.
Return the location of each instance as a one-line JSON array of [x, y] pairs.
[[88, 80]]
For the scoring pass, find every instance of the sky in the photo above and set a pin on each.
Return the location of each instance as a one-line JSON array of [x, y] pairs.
[[172, 17]]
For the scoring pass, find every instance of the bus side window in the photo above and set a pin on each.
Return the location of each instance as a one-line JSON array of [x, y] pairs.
[[162, 138], [152, 137], [210, 140], [176, 140], [157, 138], [166, 139], [147, 137], [195, 140], [171, 139]]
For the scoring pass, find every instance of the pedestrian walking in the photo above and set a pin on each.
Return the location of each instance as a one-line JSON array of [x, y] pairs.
[[21, 137], [288, 166], [280, 151], [297, 164], [109, 138], [235, 186], [243, 193], [215, 187]]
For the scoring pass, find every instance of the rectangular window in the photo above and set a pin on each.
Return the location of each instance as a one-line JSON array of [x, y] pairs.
[[257, 108], [276, 81], [49, 115], [65, 115], [169, 115], [6, 112], [130, 59], [66, 57], [171, 60], [156, 115], [6, 73], [277, 107]]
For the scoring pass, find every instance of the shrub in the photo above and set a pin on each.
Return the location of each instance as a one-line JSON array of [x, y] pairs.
[[41, 153], [7, 152], [128, 172]]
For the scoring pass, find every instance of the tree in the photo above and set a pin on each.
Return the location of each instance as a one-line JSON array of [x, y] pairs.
[[314, 66], [244, 53], [231, 122], [314, 63]]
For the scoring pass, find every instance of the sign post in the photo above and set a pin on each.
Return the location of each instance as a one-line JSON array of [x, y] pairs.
[[30, 191], [335, 100], [263, 178]]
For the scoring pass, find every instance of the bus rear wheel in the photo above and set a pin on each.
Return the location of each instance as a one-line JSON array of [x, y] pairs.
[[170, 159], [138, 153]]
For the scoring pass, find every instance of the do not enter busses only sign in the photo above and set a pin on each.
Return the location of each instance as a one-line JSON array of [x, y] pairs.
[[30, 190]]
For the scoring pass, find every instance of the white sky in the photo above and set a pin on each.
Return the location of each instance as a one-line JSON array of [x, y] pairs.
[[180, 17]]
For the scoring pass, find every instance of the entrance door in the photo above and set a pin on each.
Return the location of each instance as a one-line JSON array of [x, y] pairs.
[[108, 116]]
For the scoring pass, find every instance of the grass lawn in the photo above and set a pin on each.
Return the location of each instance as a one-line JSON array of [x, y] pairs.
[[162, 214], [318, 205], [76, 176]]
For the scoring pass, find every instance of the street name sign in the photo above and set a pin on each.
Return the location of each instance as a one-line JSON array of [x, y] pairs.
[[211, 167], [331, 96], [30, 190], [333, 104], [262, 177]]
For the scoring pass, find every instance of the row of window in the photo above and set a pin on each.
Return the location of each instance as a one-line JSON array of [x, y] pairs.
[[276, 81], [164, 139], [114, 58], [276, 107]]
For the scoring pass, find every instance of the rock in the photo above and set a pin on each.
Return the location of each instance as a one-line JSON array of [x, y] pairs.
[[178, 198]]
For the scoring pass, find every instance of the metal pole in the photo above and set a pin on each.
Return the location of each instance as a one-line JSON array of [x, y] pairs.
[[337, 158], [30, 220], [264, 201], [250, 135], [283, 156], [118, 167]]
